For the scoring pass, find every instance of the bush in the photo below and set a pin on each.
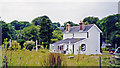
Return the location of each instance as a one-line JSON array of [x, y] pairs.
[[29, 45], [21, 41], [15, 45], [5, 43], [54, 40], [55, 60], [105, 49]]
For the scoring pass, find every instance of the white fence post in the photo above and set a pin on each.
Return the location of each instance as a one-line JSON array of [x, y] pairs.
[[36, 46]]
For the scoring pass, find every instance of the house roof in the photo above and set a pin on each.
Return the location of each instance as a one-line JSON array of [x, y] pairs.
[[61, 28], [68, 40], [77, 28]]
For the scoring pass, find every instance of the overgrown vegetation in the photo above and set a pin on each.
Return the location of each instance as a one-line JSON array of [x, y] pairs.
[[44, 58]]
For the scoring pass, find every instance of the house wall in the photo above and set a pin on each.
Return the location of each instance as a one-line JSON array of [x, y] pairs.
[[75, 35], [80, 35], [67, 35], [93, 41], [76, 47]]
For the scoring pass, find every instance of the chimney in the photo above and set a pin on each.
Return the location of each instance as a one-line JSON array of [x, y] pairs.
[[67, 27], [81, 25]]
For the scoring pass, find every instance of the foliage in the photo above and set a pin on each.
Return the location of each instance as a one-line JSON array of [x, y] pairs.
[[5, 43], [20, 24], [86, 23], [54, 40], [70, 22], [31, 33], [91, 20], [5, 31], [55, 60], [105, 49], [45, 30], [79, 49], [57, 34], [38, 20], [30, 58], [15, 45], [29, 45], [12, 32], [21, 41], [55, 25], [110, 27]]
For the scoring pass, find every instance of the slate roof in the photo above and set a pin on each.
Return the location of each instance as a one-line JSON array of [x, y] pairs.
[[61, 28], [77, 29], [66, 41]]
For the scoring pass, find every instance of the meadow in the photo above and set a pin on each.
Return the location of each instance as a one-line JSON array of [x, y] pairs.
[[41, 58]]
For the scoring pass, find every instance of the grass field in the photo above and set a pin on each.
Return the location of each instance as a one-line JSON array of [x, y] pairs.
[[33, 58]]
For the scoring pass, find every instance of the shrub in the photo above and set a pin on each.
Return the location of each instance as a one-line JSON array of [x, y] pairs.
[[21, 41], [29, 45], [14, 45], [54, 40], [105, 49], [5, 43], [55, 59]]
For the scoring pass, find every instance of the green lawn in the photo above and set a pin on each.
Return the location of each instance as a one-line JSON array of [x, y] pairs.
[[33, 58]]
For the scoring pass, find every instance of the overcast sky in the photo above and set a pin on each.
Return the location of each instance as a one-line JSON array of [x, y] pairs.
[[58, 11]]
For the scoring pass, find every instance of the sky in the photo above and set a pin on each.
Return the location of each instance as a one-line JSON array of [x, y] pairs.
[[57, 10]]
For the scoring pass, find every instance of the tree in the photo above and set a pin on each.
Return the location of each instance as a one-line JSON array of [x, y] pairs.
[[110, 27], [55, 25], [86, 23], [91, 20], [38, 20], [20, 24], [12, 32], [5, 31], [57, 34], [45, 30], [31, 33]]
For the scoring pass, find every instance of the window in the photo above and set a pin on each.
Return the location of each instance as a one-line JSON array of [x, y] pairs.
[[87, 34], [83, 47]]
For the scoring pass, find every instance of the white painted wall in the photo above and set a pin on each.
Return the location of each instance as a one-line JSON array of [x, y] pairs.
[[76, 47], [93, 41], [80, 35], [67, 35]]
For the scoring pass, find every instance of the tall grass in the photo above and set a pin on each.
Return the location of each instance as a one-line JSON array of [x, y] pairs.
[[43, 58]]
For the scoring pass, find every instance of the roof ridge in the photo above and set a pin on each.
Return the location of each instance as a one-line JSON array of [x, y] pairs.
[[85, 25]]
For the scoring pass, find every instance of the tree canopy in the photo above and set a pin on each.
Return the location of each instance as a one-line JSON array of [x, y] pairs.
[[91, 20], [110, 27]]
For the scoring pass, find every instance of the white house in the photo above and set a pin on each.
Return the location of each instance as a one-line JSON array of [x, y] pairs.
[[85, 37]]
